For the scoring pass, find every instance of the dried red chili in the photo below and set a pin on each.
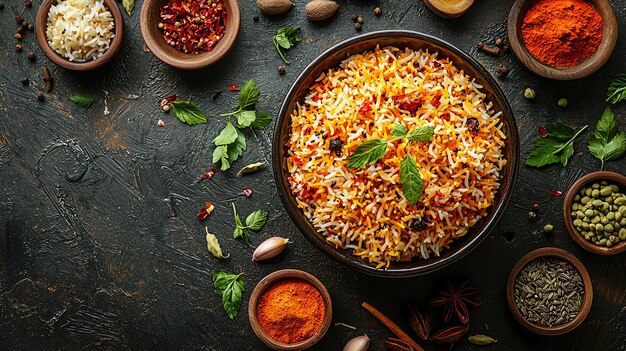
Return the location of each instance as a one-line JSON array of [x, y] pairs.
[[233, 87], [209, 174], [365, 108], [247, 192], [193, 26], [206, 211], [543, 131], [555, 193]]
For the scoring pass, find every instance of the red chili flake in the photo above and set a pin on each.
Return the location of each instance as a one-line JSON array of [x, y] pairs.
[[543, 131], [407, 104], [555, 193], [163, 102], [390, 59], [436, 103], [319, 86], [209, 174], [440, 195], [360, 74], [445, 116], [146, 48], [310, 146], [193, 26], [160, 123], [233, 87], [247, 192], [172, 97], [365, 108], [317, 98], [288, 143], [206, 211], [296, 159]]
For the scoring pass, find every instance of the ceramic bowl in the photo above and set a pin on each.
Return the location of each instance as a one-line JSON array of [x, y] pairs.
[[611, 177], [587, 298], [266, 283], [153, 36], [331, 58], [585, 68], [114, 47]]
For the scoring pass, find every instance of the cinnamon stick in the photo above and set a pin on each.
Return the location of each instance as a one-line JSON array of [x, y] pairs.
[[393, 327]]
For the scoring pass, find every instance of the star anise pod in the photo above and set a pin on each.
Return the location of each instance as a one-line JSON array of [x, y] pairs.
[[455, 301]]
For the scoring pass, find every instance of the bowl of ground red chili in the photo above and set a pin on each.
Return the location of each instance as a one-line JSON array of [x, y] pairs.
[[562, 39], [190, 34], [290, 310]]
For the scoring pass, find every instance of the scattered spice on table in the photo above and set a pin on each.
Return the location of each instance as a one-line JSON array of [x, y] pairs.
[[160, 123], [562, 33], [548, 291], [530, 94], [193, 26], [206, 210], [209, 174], [599, 213], [291, 311], [247, 192]]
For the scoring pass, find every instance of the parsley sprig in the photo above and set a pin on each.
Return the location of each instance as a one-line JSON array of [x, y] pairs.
[[607, 143], [188, 112], [286, 38], [370, 151], [617, 90], [230, 287], [557, 146], [231, 142], [255, 221]]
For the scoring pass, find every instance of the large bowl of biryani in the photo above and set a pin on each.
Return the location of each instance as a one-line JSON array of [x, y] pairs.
[[395, 153]]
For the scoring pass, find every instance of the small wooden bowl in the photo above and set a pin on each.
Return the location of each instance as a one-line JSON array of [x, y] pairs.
[[567, 211], [588, 291], [585, 68], [266, 283], [153, 36], [114, 47], [446, 9]]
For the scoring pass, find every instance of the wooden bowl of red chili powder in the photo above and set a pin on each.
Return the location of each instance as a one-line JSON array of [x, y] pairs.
[[290, 310], [562, 39]]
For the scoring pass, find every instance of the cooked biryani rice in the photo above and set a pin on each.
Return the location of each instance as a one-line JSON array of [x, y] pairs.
[[80, 30], [364, 210]]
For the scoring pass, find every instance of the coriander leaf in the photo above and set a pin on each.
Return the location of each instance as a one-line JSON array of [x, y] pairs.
[[617, 90], [188, 112], [237, 148], [230, 287], [214, 245], [82, 99], [560, 131], [261, 121], [220, 154], [557, 146], [425, 133], [367, 153], [248, 96], [129, 5], [398, 131], [256, 220], [227, 136], [606, 143], [245, 118], [411, 180], [240, 229], [285, 37]]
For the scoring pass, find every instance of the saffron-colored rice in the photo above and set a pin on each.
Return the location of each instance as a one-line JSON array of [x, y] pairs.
[[364, 210]]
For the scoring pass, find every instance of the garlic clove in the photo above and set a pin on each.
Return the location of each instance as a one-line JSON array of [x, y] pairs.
[[360, 343], [271, 247]]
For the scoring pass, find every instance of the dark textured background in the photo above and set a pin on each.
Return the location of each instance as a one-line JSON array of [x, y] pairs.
[[99, 244]]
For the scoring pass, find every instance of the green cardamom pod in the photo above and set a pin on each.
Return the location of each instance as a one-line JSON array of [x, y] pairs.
[[480, 339]]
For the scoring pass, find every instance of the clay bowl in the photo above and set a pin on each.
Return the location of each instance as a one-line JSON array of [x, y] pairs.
[[114, 47], [266, 283], [153, 36], [402, 39], [611, 177], [588, 291], [585, 68]]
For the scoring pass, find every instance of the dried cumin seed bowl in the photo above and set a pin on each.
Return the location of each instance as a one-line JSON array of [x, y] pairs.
[[153, 36], [550, 252], [612, 177], [401, 39], [107, 56], [585, 68], [264, 284]]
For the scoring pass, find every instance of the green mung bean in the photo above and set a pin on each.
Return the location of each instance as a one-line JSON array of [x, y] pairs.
[[599, 212]]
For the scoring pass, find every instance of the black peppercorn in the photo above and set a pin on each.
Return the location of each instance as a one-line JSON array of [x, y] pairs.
[[281, 70], [354, 17], [24, 80], [472, 125], [19, 19], [31, 56], [24, 24], [358, 26], [255, 18], [503, 72], [41, 96], [335, 146]]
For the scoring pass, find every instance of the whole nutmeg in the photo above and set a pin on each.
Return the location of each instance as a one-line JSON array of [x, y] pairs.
[[274, 7], [319, 10]]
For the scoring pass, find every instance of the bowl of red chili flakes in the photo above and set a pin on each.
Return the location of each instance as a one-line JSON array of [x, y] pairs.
[[190, 34]]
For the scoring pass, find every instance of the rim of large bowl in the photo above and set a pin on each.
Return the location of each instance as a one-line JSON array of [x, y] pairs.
[[346, 257]]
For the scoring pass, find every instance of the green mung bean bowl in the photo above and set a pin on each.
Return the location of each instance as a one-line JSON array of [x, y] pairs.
[[587, 298], [585, 181]]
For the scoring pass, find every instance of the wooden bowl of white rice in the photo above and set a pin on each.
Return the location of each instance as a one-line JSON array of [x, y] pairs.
[[362, 90], [79, 35]]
